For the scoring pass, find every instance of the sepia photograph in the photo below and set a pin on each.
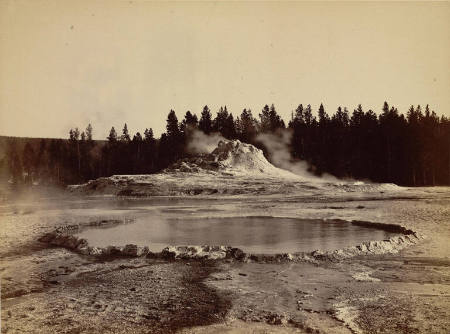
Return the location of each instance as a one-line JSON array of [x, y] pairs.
[[207, 167]]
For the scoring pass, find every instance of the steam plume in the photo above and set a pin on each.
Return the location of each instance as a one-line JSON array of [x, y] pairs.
[[201, 143], [278, 147]]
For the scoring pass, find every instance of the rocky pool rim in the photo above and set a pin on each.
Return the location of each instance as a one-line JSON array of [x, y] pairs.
[[64, 236]]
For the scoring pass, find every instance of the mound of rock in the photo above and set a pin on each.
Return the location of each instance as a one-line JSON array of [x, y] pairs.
[[231, 156], [220, 172], [224, 171]]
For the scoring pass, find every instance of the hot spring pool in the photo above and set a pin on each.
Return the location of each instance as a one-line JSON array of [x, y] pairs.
[[267, 235]]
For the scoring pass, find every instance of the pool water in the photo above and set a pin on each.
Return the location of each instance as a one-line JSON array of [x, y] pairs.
[[267, 235]]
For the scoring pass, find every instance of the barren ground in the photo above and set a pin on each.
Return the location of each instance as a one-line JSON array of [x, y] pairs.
[[53, 290]]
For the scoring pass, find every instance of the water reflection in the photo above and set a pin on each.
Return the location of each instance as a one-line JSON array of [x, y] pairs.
[[252, 234]]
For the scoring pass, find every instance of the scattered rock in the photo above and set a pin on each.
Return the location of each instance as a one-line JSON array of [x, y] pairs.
[[113, 250], [236, 253], [195, 252], [276, 319], [95, 251], [130, 250]]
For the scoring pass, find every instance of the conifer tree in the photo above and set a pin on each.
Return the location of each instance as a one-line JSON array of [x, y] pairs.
[[89, 132], [205, 123], [229, 129], [248, 126], [148, 135], [14, 162], [112, 137], [189, 122], [74, 136], [125, 137], [323, 116], [149, 152], [28, 161], [221, 120], [264, 118], [173, 144], [172, 127], [270, 120], [308, 116]]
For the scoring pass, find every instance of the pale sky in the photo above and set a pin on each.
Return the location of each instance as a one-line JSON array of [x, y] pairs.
[[69, 63]]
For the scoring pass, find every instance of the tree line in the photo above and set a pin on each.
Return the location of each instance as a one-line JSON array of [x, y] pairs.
[[411, 149]]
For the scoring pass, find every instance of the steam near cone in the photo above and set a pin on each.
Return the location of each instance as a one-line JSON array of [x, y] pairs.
[[277, 146], [201, 143]]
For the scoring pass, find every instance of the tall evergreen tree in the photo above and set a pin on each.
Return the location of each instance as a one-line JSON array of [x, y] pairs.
[[112, 137], [137, 144], [391, 129], [14, 162], [275, 120], [220, 121], [28, 160], [308, 116], [205, 123], [229, 129], [297, 124], [74, 136], [357, 138], [270, 121], [40, 162], [125, 137], [172, 127], [148, 135], [173, 145], [150, 152], [89, 132], [247, 126], [323, 116], [189, 122], [264, 118], [55, 162]]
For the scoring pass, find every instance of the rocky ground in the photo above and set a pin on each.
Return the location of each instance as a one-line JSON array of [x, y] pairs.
[[53, 290]]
